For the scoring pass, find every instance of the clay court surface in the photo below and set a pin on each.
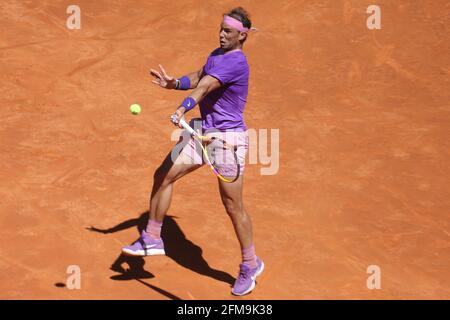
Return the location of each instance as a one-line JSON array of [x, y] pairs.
[[364, 120]]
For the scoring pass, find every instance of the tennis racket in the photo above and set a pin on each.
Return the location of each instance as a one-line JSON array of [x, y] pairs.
[[208, 145]]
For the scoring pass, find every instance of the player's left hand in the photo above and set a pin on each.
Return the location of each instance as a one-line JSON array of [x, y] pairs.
[[162, 79]]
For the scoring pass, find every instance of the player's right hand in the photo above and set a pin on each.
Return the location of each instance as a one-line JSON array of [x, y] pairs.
[[175, 118], [162, 79]]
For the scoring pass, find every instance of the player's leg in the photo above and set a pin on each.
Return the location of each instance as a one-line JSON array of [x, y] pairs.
[[251, 266], [231, 196], [182, 159], [150, 242], [163, 180]]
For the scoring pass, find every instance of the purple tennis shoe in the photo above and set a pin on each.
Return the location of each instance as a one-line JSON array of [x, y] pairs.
[[246, 280], [145, 246]]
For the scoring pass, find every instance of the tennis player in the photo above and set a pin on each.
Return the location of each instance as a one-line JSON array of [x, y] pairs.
[[220, 88]]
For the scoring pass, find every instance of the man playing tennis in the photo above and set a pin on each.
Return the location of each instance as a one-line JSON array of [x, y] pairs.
[[220, 88]]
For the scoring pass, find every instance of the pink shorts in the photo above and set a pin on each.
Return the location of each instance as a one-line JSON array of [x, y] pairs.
[[223, 159]]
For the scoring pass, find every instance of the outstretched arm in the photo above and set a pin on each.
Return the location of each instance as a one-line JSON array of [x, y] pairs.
[[162, 79]]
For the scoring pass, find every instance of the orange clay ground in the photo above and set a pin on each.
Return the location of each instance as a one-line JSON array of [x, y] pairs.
[[364, 122]]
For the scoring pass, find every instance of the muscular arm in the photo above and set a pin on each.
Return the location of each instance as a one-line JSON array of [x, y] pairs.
[[195, 77], [205, 86]]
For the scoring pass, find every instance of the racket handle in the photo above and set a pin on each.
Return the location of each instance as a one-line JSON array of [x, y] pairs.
[[186, 126]]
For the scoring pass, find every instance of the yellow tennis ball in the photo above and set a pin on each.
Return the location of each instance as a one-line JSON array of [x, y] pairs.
[[135, 108]]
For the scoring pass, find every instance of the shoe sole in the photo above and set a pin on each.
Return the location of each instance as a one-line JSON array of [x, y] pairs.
[[253, 282], [144, 253]]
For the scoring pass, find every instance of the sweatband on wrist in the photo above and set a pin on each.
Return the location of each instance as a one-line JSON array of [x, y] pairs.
[[184, 83], [188, 103]]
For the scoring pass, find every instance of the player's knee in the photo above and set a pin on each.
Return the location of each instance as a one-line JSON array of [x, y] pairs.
[[157, 175], [160, 175], [232, 207]]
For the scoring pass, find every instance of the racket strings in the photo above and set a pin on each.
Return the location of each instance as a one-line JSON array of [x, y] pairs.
[[209, 143]]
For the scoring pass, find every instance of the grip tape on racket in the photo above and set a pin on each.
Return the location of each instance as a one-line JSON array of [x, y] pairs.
[[186, 126]]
